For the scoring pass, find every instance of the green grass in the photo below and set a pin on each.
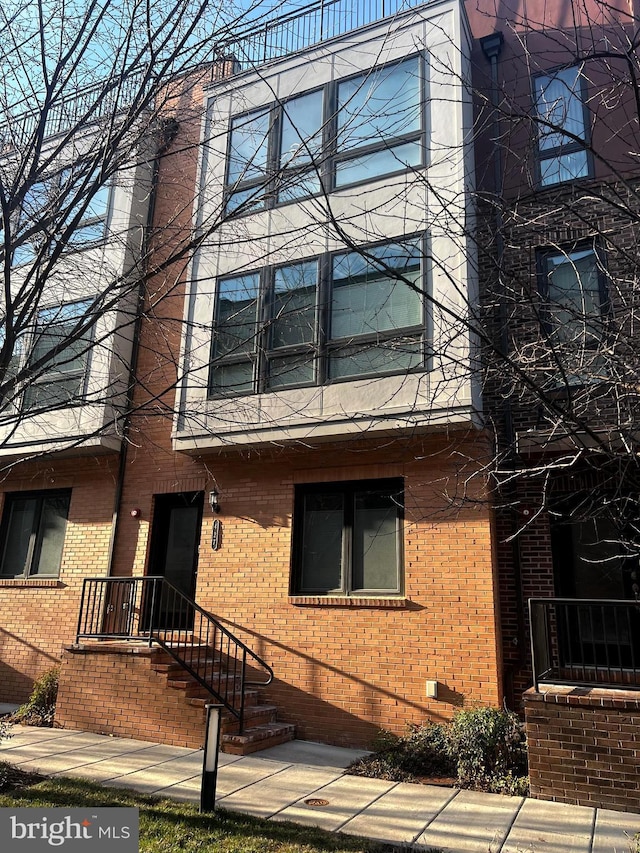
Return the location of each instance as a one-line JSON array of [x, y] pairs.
[[167, 826]]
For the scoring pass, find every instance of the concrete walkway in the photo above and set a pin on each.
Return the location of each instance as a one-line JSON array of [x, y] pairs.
[[279, 783]]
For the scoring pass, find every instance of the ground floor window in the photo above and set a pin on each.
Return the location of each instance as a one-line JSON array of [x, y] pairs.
[[347, 538], [32, 533]]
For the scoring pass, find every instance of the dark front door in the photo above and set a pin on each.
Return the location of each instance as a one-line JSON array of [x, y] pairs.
[[175, 535]]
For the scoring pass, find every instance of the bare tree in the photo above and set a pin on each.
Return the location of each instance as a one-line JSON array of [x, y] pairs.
[[93, 97], [557, 259]]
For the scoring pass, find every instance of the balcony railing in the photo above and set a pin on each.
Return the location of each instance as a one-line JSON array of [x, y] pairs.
[[585, 642], [89, 104], [308, 26], [250, 46]]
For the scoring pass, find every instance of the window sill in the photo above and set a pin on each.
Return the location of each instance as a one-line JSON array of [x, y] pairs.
[[31, 582], [347, 601]]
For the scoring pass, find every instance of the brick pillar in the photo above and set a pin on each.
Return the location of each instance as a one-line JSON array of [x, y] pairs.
[[584, 746]]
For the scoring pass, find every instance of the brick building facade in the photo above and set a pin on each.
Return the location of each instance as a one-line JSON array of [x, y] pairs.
[[301, 424]]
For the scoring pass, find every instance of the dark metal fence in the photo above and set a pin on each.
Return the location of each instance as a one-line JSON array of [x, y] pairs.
[[585, 642], [92, 103], [308, 26], [153, 610], [249, 46]]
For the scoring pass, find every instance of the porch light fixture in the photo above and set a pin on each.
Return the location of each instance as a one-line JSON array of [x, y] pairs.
[[213, 500]]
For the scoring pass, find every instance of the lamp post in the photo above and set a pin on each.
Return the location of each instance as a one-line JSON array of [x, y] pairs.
[[210, 759]]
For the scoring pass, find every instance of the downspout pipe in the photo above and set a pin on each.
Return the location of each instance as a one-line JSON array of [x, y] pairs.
[[169, 131], [492, 47]]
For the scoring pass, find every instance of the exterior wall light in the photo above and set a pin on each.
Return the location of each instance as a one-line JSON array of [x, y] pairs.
[[213, 500]]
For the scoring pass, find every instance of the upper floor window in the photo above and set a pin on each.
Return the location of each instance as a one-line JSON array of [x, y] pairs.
[[336, 317], [347, 538], [379, 123], [356, 130], [61, 378], [33, 530], [560, 107], [575, 300], [71, 206]]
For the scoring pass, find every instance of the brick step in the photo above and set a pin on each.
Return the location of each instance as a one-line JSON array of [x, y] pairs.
[[250, 699], [210, 665], [257, 738], [188, 682], [160, 656], [254, 716]]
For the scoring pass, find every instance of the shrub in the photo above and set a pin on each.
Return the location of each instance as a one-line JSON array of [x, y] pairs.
[[489, 749], [40, 708], [421, 752], [484, 748]]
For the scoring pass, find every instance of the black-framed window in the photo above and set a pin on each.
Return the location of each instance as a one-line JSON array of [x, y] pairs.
[[379, 123], [50, 206], [337, 317], [348, 538], [32, 533], [575, 307], [62, 377], [560, 106], [351, 131]]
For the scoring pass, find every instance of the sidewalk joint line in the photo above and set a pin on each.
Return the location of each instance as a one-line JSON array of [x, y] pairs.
[[249, 784], [513, 820], [308, 794], [593, 829], [454, 794], [364, 808]]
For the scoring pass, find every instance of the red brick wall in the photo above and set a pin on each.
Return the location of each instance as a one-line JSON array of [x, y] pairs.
[[345, 670], [584, 746], [120, 694], [39, 616]]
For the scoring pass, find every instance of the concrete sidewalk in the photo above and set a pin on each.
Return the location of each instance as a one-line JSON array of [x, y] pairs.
[[279, 782]]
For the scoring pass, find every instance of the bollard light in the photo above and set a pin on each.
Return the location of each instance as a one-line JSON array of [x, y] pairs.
[[210, 759]]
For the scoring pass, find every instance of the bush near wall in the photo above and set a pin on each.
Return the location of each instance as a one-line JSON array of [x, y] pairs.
[[482, 748]]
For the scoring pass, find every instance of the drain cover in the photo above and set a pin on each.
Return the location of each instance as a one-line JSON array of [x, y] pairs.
[[316, 802]]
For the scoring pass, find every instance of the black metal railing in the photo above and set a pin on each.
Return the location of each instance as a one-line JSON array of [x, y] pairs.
[[151, 609], [248, 47], [585, 642], [307, 26], [89, 104]]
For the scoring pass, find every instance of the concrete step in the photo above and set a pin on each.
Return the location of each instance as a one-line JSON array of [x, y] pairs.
[[257, 738]]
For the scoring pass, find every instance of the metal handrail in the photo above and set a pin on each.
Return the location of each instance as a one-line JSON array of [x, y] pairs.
[[136, 608], [585, 642]]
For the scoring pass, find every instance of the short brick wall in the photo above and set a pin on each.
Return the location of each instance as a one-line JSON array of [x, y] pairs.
[[584, 746], [118, 693]]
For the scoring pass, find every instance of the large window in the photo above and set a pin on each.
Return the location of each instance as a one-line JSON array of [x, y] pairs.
[[60, 340], [575, 306], [72, 199], [379, 123], [358, 130], [331, 318], [33, 529], [347, 538], [562, 130]]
